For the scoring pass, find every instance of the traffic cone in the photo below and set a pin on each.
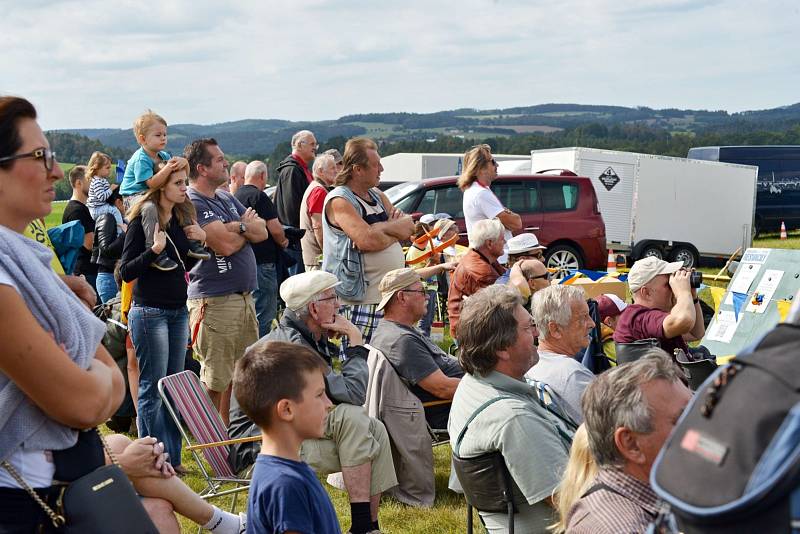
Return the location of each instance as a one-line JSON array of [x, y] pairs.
[[783, 231], [612, 262]]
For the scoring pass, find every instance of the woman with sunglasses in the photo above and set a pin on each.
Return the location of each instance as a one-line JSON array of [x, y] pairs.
[[55, 376], [480, 170]]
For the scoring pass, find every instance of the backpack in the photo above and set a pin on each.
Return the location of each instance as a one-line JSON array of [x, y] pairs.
[[732, 463], [67, 240]]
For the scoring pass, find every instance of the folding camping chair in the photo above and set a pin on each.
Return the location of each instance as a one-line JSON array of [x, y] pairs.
[[185, 397]]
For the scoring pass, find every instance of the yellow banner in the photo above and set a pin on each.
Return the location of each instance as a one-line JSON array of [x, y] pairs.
[[717, 293], [783, 308]]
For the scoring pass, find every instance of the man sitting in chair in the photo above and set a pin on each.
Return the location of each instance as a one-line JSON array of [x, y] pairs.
[[665, 306], [353, 443], [562, 317], [430, 373], [496, 338]]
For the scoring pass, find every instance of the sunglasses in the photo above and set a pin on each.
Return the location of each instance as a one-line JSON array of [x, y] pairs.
[[47, 156], [547, 276]]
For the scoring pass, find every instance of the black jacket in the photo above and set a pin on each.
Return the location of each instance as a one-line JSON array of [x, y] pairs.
[[155, 288], [292, 183], [107, 247]]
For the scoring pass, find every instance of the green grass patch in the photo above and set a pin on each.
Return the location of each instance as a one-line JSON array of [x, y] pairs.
[[54, 218], [447, 516]]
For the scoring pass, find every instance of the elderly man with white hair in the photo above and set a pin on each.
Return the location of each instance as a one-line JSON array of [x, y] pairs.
[[324, 172], [353, 443], [478, 268], [294, 175], [252, 195], [564, 323]]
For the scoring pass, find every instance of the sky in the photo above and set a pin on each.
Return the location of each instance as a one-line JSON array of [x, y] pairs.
[[100, 63]]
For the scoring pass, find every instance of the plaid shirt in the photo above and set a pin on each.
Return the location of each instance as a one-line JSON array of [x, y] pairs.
[[625, 505]]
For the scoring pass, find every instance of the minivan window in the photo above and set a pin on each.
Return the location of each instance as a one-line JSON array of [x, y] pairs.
[[559, 196], [397, 192], [448, 200], [406, 204], [519, 197]]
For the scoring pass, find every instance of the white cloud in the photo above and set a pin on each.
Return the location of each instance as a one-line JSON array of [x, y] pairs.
[[96, 63]]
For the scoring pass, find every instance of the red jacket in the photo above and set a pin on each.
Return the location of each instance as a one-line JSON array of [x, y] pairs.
[[473, 273]]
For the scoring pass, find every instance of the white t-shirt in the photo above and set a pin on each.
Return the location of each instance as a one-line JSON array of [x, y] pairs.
[[481, 203]]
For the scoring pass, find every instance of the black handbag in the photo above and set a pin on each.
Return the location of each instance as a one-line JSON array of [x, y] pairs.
[[101, 501]]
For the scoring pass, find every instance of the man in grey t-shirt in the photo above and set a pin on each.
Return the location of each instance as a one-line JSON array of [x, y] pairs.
[[222, 316], [564, 323], [430, 373]]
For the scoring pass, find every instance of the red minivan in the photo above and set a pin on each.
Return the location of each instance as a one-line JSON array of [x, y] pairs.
[[562, 210]]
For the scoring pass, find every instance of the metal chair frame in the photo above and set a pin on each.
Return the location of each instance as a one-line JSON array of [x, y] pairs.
[[211, 437]]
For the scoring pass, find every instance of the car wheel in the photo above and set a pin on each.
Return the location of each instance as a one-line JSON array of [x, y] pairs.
[[563, 258], [653, 250], [685, 254]]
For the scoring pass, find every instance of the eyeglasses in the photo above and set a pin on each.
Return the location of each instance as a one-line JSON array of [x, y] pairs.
[[414, 291], [313, 145], [547, 276], [47, 156], [329, 298]]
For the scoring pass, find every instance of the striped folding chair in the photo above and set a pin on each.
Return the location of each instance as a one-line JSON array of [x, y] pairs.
[[186, 399]]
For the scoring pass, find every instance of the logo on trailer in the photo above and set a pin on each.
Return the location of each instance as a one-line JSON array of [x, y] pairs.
[[609, 179]]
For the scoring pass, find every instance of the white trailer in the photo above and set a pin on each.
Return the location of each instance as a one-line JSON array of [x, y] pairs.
[[672, 208], [409, 167]]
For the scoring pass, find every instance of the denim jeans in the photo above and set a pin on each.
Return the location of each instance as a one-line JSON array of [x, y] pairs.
[[266, 297], [298, 267], [159, 337], [106, 286]]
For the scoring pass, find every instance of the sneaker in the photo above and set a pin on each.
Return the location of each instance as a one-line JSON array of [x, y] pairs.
[[164, 263], [242, 522], [198, 251]]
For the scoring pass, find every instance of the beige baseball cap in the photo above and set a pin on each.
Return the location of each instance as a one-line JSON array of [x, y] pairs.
[[648, 268], [442, 226], [394, 281], [298, 290]]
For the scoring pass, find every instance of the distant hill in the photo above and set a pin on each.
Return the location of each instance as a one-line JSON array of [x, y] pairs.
[[257, 136]]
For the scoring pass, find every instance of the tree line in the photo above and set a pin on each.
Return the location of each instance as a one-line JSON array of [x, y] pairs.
[[632, 137]]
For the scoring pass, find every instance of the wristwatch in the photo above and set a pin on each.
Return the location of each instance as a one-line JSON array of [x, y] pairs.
[[242, 228]]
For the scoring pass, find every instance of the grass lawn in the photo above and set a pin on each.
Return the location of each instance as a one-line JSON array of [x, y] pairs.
[[54, 218], [447, 516]]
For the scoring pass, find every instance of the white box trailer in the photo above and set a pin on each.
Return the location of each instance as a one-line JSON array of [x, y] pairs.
[[673, 208], [408, 167]]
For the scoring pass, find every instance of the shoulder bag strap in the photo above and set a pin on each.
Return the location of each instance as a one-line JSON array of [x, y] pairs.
[[473, 416]]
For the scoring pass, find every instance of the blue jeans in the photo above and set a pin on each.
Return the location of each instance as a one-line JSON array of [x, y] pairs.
[[266, 297], [106, 286], [298, 267], [159, 337]]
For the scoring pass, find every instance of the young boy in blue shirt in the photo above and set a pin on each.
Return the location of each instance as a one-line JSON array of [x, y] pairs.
[[281, 388], [150, 130]]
